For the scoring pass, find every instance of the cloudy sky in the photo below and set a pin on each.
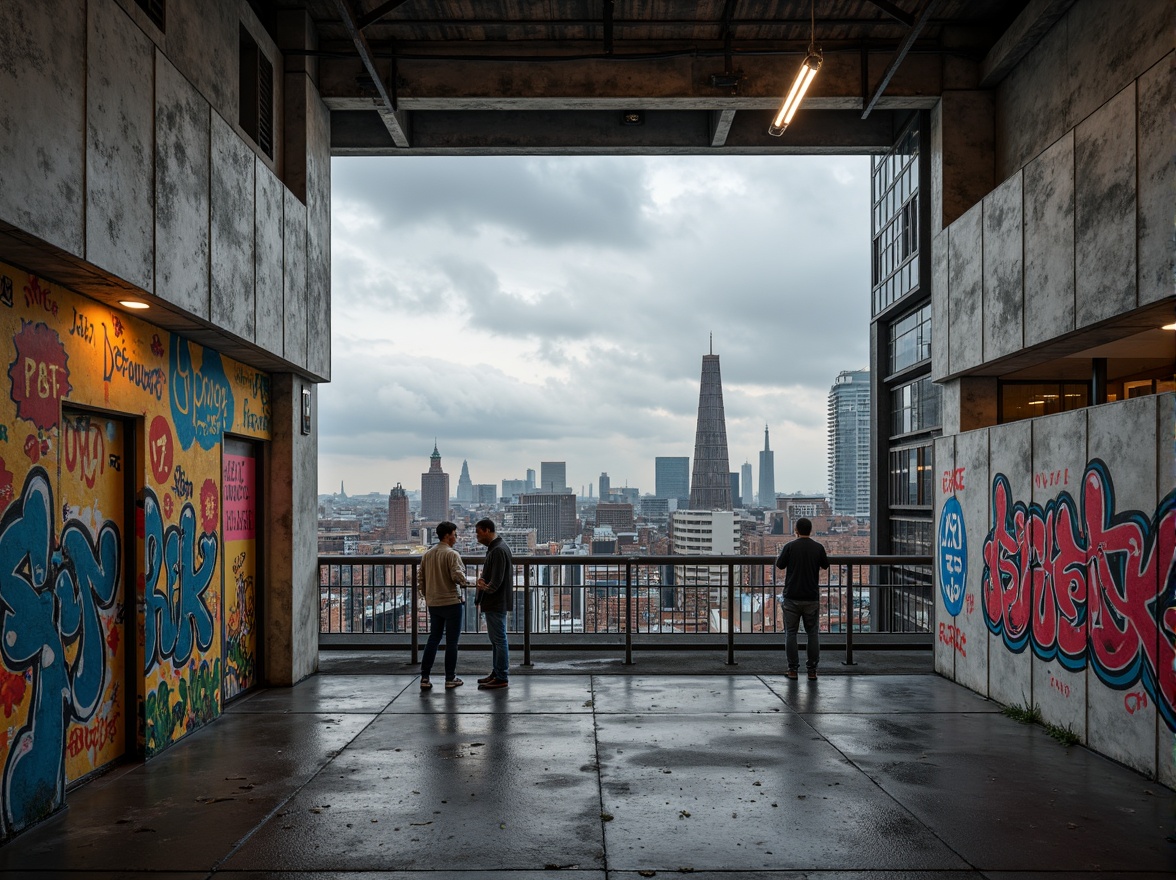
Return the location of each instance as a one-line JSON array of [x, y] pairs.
[[527, 309]]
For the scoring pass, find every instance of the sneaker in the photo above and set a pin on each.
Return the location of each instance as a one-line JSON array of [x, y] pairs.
[[791, 673], [812, 675], [488, 678], [453, 682], [493, 684], [426, 685]]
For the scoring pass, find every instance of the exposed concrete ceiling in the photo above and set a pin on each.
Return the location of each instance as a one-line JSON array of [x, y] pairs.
[[474, 77]]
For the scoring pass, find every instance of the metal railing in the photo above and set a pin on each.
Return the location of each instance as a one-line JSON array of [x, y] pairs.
[[614, 603]]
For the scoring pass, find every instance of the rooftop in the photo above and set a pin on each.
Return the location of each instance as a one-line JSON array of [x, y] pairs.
[[879, 770]]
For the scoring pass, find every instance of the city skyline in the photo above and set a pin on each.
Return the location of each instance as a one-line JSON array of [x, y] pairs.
[[527, 309]]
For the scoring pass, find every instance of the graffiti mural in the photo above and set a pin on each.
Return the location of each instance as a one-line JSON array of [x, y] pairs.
[[1078, 583], [101, 409], [52, 590], [240, 533]]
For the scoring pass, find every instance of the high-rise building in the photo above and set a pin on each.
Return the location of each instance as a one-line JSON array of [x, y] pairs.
[[736, 498], [514, 488], [434, 490], [671, 478], [605, 486], [710, 483], [483, 494], [553, 476], [767, 481], [465, 486], [748, 495], [530, 479], [849, 443], [551, 514], [398, 514], [618, 516]]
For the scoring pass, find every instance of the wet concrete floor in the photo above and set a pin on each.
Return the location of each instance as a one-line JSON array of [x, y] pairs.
[[861, 775]]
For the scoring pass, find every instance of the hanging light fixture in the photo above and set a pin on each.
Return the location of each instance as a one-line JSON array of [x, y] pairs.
[[804, 77]]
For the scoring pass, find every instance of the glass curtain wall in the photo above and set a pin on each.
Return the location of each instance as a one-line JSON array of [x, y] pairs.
[[906, 402]]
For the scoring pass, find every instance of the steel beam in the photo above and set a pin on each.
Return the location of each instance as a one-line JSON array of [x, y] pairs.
[[901, 55], [395, 121]]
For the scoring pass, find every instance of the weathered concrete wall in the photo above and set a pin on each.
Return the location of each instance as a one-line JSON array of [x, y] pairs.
[[1069, 520], [120, 191], [1068, 539], [120, 144], [1080, 234], [42, 174], [292, 588]]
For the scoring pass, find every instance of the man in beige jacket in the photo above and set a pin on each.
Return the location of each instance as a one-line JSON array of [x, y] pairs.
[[442, 577]]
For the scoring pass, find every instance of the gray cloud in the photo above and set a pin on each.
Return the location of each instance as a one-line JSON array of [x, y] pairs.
[[586, 290]]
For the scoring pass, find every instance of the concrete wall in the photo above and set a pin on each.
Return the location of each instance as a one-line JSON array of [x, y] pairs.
[[1053, 248], [120, 145], [1062, 591], [1068, 603], [122, 164]]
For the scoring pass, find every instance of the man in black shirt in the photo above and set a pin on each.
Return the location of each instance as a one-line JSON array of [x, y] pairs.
[[496, 598], [802, 559]]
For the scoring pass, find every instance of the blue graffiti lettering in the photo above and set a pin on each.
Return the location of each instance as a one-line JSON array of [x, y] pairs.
[[202, 403], [175, 615], [50, 602]]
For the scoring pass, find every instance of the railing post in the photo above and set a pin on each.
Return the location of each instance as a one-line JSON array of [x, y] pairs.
[[527, 615], [848, 661], [412, 606], [730, 614], [628, 612]]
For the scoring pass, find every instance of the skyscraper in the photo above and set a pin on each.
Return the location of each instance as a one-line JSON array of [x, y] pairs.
[[748, 495], [530, 479], [434, 490], [605, 486], [551, 514], [849, 443], [767, 482], [736, 498], [671, 477], [465, 486], [710, 484], [398, 514], [553, 476]]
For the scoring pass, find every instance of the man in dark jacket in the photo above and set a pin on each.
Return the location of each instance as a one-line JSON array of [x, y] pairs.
[[802, 559], [496, 599]]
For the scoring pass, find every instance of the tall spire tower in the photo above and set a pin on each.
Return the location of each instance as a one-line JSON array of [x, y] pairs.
[[710, 483], [465, 486], [767, 480]]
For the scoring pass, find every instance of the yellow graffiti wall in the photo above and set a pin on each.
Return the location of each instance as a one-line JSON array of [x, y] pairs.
[[114, 563]]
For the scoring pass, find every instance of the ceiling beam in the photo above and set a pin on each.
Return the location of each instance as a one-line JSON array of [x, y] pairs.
[[720, 121], [1018, 41], [598, 83], [379, 12], [894, 12], [900, 56], [600, 132], [394, 120]]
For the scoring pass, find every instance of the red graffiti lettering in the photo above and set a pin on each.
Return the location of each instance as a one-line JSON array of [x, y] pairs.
[[953, 481], [954, 637], [1100, 585], [39, 374], [1050, 479], [36, 295], [970, 602], [93, 738], [84, 448], [1134, 702], [1060, 686]]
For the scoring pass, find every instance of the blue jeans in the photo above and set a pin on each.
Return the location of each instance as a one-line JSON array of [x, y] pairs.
[[444, 620], [496, 629], [794, 613]]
